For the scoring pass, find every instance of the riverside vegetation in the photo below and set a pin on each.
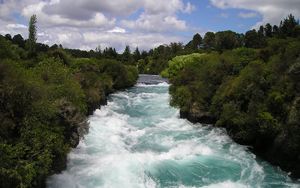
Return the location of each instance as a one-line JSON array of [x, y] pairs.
[[248, 84], [45, 97]]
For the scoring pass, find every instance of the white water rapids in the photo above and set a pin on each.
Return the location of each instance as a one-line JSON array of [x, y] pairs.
[[139, 141]]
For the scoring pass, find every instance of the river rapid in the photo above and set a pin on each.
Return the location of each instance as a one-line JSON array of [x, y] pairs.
[[139, 141]]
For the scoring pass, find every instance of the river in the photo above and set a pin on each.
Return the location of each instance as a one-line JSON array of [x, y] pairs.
[[138, 141]]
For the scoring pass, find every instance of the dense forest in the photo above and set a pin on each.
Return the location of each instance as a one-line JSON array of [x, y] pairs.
[[248, 84], [46, 94]]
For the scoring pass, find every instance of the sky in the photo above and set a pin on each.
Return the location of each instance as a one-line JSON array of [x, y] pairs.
[[87, 24]]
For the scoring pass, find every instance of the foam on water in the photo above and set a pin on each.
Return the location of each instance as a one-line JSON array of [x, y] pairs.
[[138, 140], [152, 85]]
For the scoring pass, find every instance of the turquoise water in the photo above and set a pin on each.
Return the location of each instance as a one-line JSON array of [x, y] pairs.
[[138, 140]]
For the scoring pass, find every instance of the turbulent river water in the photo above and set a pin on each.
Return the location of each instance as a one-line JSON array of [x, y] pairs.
[[138, 140]]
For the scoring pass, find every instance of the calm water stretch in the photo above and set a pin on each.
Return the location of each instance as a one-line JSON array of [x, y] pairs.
[[138, 140]]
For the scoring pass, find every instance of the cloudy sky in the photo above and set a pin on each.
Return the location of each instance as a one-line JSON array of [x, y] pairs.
[[86, 24]]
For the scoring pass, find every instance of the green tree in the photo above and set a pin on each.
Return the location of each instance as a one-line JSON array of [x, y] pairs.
[[98, 52], [136, 55], [261, 31], [127, 56], [268, 30], [110, 53], [32, 38], [227, 40], [287, 27], [195, 44], [8, 37], [176, 48], [254, 39], [18, 39], [209, 40], [275, 30]]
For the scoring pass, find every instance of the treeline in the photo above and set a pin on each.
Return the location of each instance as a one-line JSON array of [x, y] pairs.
[[156, 60], [45, 97], [251, 88]]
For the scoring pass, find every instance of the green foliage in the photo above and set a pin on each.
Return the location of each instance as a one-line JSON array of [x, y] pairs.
[[226, 40], [288, 26], [268, 125], [195, 44], [122, 76], [179, 62], [46, 92], [59, 80], [44, 102], [136, 55], [157, 59], [181, 97], [254, 40], [127, 56], [251, 87], [60, 54], [209, 40], [18, 40], [10, 51], [254, 96], [32, 35]]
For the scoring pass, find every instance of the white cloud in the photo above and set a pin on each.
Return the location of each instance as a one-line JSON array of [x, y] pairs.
[[16, 26], [7, 7], [117, 30], [13, 28], [155, 23], [120, 40], [189, 8], [87, 24], [83, 9], [271, 11], [97, 20], [160, 16]]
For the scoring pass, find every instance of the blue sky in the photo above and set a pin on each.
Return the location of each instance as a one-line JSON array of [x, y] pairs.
[[212, 18], [87, 24]]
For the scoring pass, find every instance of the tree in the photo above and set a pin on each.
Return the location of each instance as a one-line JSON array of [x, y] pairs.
[[127, 56], [136, 54], [18, 39], [176, 48], [287, 27], [32, 38], [6, 50], [41, 47], [254, 39], [144, 54], [98, 49], [98, 52], [54, 46], [275, 30], [261, 31], [268, 30], [8, 37], [226, 40], [196, 43], [110, 53], [209, 40]]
